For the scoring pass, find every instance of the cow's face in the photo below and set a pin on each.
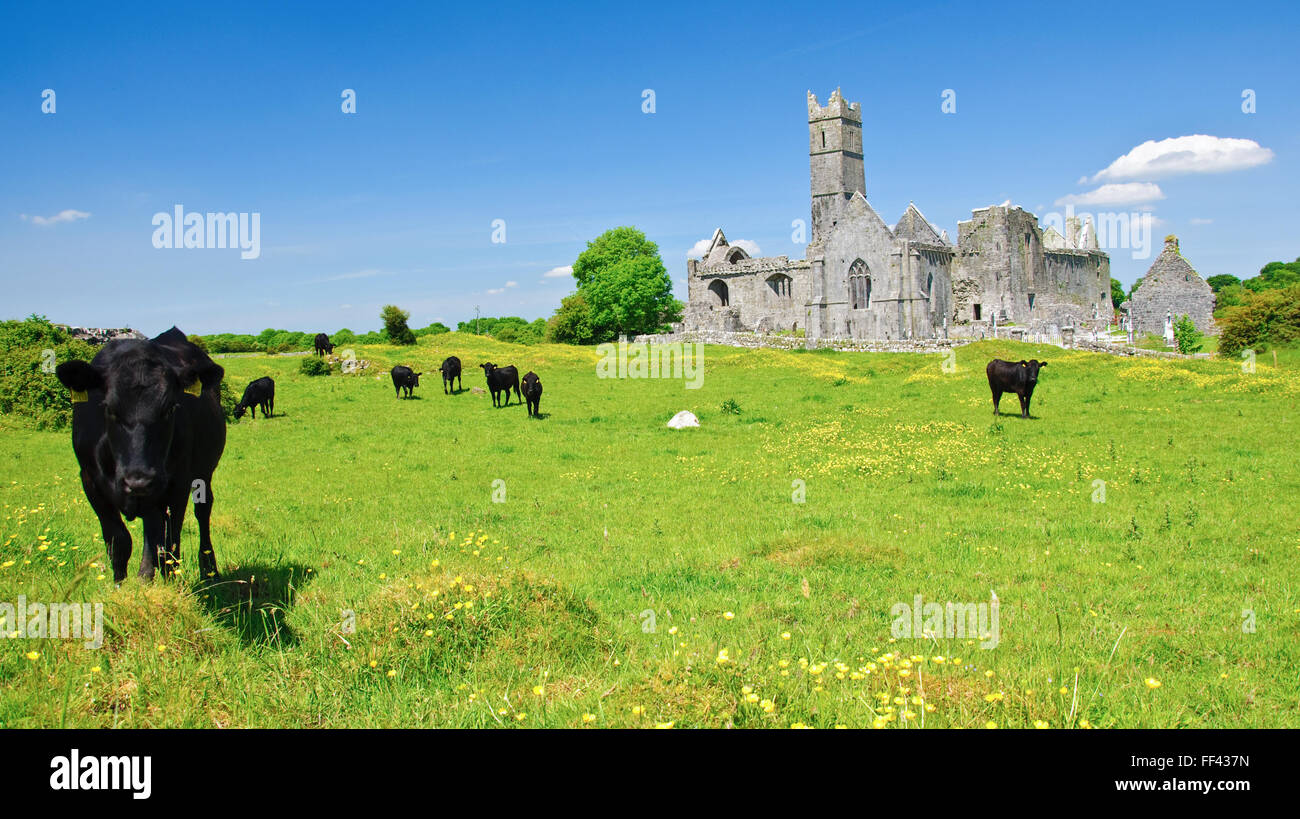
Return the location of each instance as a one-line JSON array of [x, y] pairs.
[[488, 368], [1031, 370], [240, 409], [415, 379], [141, 393]]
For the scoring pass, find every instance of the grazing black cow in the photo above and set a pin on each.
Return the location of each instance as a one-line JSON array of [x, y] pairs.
[[1019, 377], [405, 378], [501, 379], [323, 345], [148, 432], [260, 393], [451, 369], [533, 392]]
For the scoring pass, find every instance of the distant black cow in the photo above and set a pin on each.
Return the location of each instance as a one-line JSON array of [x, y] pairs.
[[405, 378], [501, 379], [1019, 377], [260, 393], [323, 344], [148, 431], [533, 392], [451, 369]]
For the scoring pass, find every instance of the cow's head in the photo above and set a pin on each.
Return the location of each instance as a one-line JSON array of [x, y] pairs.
[[142, 388], [1031, 370], [488, 368], [240, 409]]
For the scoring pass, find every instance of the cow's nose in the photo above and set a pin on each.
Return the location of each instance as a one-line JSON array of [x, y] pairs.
[[139, 484]]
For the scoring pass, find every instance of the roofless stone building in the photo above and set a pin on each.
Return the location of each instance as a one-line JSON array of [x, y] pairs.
[[862, 279], [1171, 288]]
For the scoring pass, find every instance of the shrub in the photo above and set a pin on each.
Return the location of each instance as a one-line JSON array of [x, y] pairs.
[[730, 407], [1187, 336], [314, 366], [29, 390], [395, 326], [571, 324], [1267, 318], [228, 401]]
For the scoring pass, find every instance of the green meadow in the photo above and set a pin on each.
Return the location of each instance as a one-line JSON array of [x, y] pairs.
[[440, 563]]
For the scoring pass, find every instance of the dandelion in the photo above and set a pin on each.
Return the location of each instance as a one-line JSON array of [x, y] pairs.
[[588, 717], [990, 725], [33, 655], [1152, 683], [1040, 724], [723, 656], [785, 635]]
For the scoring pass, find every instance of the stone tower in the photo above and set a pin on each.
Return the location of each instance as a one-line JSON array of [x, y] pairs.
[[834, 158]]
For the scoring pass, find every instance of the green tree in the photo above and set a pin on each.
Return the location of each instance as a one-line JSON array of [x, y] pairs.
[[1116, 293], [1187, 336], [622, 279], [1268, 318], [395, 326], [571, 324], [1221, 281]]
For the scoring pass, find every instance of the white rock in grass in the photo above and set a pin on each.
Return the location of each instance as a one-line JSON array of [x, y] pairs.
[[684, 419]]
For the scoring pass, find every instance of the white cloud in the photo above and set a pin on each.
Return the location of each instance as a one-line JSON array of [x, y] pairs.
[[1122, 193], [559, 272], [1198, 153], [496, 291], [701, 247], [1199, 221], [512, 284], [62, 216]]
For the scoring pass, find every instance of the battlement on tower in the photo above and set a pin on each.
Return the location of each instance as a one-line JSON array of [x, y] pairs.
[[835, 108]]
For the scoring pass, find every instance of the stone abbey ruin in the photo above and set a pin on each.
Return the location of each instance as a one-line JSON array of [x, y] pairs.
[[862, 279]]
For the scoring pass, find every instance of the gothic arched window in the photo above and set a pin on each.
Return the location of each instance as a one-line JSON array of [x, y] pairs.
[[721, 298], [780, 285], [859, 285]]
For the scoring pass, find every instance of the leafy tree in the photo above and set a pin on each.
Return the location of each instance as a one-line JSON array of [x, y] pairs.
[[571, 324], [395, 326], [1217, 283], [1187, 336], [625, 285], [1116, 293], [1265, 319], [29, 390]]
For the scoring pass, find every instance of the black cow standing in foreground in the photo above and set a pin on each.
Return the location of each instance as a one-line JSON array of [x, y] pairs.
[[260, 393], [533, 392], [501, 379], [323, 345], [148, 432], [451, 369], [1011, 376], [405, 378]]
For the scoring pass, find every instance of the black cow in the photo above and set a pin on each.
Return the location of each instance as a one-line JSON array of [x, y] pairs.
[[451, 369], [148, 432], [405, 378], [501, 379], [323, 345], [260, 393], [533, 392], [1019, 377]]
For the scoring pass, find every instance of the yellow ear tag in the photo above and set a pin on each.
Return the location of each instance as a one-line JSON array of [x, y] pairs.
[[195, 388], [79, 397]]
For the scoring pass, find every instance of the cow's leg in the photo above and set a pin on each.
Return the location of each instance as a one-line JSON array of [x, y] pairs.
[[997, 398], [171, 559], [1024, 405], [155, 539], [207, 557], [253, 409], [117, 540]]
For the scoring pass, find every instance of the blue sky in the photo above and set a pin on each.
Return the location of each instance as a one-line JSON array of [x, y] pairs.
[[533, 116]]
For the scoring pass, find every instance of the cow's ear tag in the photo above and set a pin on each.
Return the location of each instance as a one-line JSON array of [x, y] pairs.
[[80, 397], [195, 388]]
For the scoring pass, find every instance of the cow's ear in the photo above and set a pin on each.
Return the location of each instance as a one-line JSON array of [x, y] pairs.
[[79, 376], [197, 376], [1042, 363], [1024, 363]]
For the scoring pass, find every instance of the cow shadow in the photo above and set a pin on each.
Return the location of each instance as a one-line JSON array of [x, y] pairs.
[[253, 601]]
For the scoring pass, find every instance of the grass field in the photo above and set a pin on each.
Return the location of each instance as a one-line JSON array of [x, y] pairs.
[[632, 575]]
